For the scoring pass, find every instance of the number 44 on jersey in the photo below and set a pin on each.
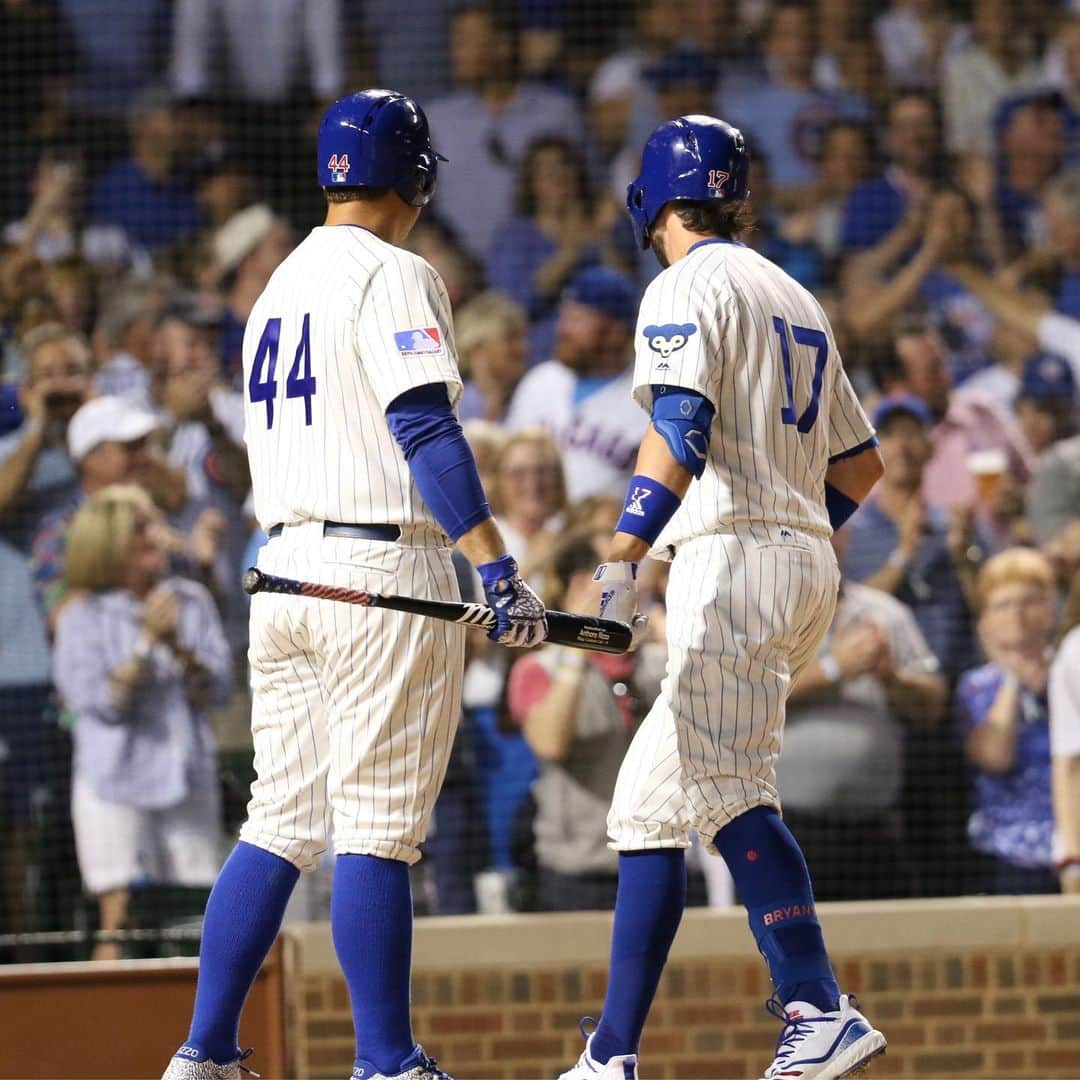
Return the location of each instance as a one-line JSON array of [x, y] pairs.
[[299, 383]]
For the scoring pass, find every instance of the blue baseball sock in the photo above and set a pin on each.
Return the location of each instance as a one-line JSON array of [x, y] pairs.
[[371, 920], [648, 909], [243, 916], [774, 884]]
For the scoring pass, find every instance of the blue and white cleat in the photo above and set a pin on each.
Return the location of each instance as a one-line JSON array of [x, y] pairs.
[[188, 1064], [622, 1067], [417, 1066], [816, 1045]]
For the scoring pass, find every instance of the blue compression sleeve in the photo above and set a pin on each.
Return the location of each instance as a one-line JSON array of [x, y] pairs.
[[439, 458], [839, 506], [684, 419]]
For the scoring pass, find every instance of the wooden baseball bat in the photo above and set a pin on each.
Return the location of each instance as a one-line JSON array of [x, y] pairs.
[[576, 631]]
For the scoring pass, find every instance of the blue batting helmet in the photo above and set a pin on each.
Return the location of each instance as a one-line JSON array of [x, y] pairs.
[[378, 138], [692, 157]]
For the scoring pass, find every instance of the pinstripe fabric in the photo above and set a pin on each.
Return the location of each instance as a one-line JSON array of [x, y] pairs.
[[744, 614], [754, 580], [758, 468], [345, 465], [354, 709]]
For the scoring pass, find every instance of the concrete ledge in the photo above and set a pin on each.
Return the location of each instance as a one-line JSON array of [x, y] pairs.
[[541, 940]]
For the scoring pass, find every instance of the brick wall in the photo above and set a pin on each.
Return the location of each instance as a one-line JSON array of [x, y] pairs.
[[1008, 1006]]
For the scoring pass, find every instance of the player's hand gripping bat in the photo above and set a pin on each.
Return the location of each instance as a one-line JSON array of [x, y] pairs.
[[576, 631]]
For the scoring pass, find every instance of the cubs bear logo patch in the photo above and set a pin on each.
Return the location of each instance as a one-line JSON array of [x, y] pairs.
[[669, 338]]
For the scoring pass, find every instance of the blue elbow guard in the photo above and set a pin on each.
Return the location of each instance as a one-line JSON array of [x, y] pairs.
[[839, 506], [684, 419], [441, 463]]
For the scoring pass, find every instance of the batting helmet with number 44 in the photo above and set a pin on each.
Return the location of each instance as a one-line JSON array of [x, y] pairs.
[[380, 139], [691, 158]]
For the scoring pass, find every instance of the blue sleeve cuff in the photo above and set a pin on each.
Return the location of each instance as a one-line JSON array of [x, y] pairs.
[[855, 450]]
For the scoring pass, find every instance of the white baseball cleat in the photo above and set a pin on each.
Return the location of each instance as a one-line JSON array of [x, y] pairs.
[[816, 1045], [622, 1067], [186, 1064], [417, 1066]]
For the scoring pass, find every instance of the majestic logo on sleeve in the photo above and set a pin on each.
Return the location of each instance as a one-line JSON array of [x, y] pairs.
[[637, 497], [669, 338], [339, 168], [422, 341]]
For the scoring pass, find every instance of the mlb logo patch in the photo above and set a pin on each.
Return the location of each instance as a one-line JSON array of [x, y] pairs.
[[419, 342]]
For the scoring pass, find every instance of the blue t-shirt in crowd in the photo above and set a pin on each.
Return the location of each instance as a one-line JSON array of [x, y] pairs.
[[1013, 815], [871, 212], [153, 215], [930, 587], [517, 252], [788, 124], [1067, 300]]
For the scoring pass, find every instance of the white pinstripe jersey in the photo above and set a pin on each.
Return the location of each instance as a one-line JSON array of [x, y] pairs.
[[726, 322], [346, 324]]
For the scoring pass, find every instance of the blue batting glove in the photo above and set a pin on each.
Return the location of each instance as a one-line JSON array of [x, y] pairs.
[[521, 622]]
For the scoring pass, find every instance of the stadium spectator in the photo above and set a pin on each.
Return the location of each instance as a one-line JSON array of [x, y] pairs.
[[906, 546], [203, 424], [583, 395], [895, 201], [784, 113], [778, 236], [488, 121], [124, 339], [248, 248], [490, 334], [914, 37], [138, 660], [846, 160], [964, 423], [1031, 138], [557, 230], [411, 53], [437, 243], [999, 61], [142, 195], [224, 184], [108, 440], [36, 473], [1064, 699], [1025, 311], [841, 775], [53, 227], [683, 80], [117, 59], [530, 489], [1053, 498], [1046, 402], [1003, 716], [575, 713], [269, 50]]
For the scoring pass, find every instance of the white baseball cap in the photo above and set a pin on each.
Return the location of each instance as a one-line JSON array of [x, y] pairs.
[[107, 419], [241, 235]]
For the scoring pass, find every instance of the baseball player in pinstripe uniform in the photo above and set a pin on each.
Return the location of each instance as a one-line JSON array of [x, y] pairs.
[[362, 478], [757, 450]]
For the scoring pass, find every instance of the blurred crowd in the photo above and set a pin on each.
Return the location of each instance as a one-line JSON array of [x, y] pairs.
[[915, 164]]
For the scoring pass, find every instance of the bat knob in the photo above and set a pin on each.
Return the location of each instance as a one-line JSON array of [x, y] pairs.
[[251, 581]]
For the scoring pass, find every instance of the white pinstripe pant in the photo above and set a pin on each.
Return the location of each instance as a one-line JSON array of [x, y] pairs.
[[354, 709], [744, 614]]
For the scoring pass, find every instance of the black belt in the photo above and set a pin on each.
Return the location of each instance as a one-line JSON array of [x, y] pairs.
[[387, 533]]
